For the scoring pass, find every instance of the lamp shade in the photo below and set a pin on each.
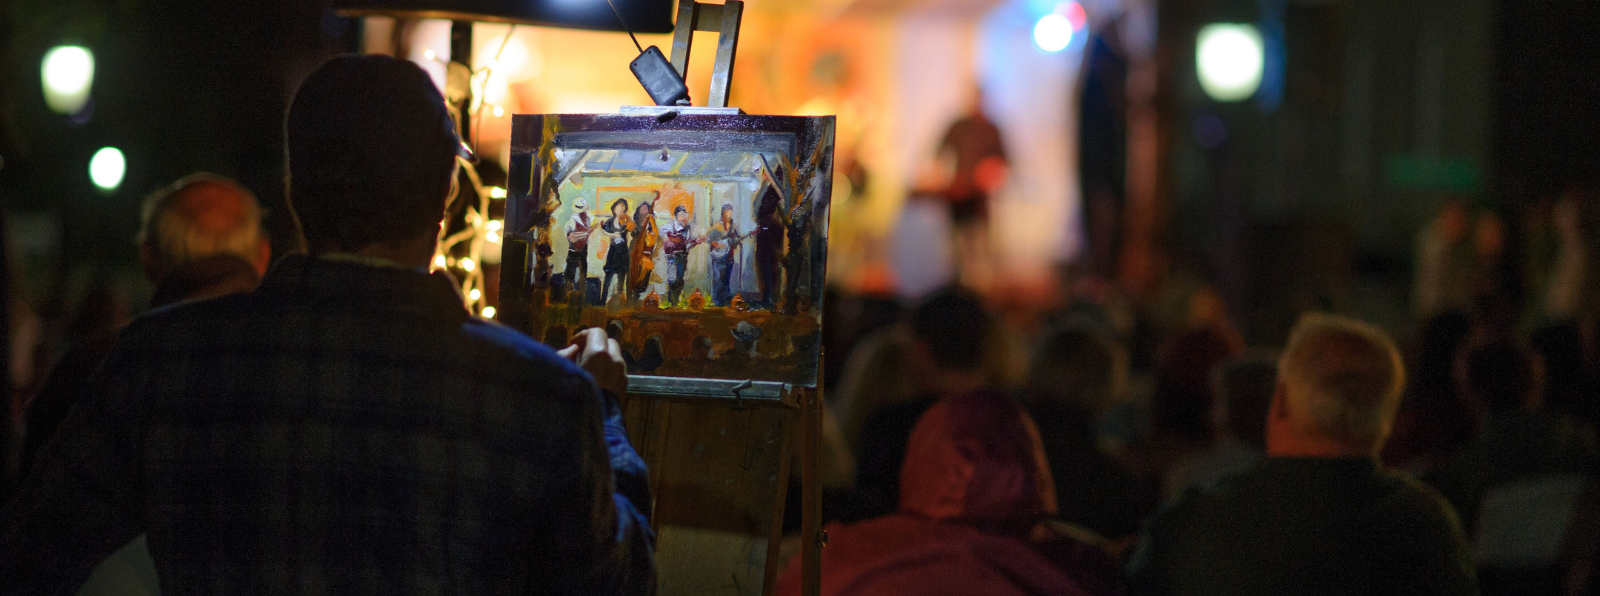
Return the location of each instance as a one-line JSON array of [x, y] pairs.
[[644, 16]]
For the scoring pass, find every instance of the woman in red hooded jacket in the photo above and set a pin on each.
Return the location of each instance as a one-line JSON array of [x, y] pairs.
[[975, 497]]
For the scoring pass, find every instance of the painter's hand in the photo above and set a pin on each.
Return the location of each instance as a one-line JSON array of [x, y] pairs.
[[602, 357]]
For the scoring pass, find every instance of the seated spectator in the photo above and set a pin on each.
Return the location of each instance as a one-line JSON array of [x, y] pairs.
[[1244, 387], [1434, 422], [1074, 377], [349, 427], [973, 499], [200, 238], [950, 334], [1320, 515], [1180, 406], [1517, 483], [877, 375]]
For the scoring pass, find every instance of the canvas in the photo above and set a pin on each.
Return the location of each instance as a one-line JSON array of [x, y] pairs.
[[698, 240]]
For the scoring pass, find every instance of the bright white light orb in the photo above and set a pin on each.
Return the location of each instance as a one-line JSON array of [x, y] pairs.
[[67, 74], [496, 192], [474, 294], [467, 264], [1052, 33], [438, 261], [107, 167], [499, 111], [1228, 57], [488, 312], [495, 225]]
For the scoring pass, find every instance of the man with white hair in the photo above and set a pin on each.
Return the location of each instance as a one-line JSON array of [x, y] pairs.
[[1320, 515], [201, 237]]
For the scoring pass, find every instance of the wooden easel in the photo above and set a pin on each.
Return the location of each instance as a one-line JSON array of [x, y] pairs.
[[719, 451], [719, 470]]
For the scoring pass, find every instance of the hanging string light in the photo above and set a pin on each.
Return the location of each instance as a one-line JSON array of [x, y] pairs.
[[481, 234]]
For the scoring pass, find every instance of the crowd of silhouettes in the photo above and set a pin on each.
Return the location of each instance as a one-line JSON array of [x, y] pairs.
[[338, 422]]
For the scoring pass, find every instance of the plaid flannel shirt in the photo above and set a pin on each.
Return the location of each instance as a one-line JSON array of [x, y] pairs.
[[344, 429]]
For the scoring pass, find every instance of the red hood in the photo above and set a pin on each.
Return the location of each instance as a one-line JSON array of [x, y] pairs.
[[977, 459]]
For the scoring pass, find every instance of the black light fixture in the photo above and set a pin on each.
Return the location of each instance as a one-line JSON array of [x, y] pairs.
[[644, 16]]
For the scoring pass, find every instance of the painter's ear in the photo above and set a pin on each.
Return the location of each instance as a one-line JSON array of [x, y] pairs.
[[1280, 403], [147, 261], [263, 257]]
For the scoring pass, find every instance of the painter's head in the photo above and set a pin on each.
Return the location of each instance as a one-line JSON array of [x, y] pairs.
[[371, 154]]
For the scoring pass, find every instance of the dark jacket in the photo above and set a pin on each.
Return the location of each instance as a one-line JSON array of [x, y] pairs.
[[209, 277], [1306, 526], [344, 429]]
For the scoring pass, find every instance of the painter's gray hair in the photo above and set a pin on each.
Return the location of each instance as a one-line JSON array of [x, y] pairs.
[[1346, 377], [176, 240]]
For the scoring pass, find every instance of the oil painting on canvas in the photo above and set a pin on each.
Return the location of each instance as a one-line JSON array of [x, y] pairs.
[[699, 241]]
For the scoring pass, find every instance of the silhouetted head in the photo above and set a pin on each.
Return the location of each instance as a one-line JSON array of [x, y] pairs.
[[371, 154], [1077, 370], [1244, 387], [951, 329], [1501, 376]]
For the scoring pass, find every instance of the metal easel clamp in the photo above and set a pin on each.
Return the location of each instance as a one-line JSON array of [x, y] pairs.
[[722, 19], [738, 399]]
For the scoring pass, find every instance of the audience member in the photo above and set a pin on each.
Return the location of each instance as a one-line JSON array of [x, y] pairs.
[[199, 238], [877, 375], [349, 427], [1244, 387], [974, 494], [1434, 423], [950, 336], [1524, 470], [1445, 262], [1320, 515], [1074, 377], [1180, 405]]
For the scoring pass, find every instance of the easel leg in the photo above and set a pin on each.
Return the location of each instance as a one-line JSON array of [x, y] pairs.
[[811, 496]]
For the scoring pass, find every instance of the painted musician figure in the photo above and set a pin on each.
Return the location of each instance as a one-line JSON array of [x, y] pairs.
[[724, 238], [646, 241], [676, 239], [617, 228], [579, 227]]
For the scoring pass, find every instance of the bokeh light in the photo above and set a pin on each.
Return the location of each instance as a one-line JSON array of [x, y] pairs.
[[67, 74], [107, 167], [1228, 57], [1053, 32]]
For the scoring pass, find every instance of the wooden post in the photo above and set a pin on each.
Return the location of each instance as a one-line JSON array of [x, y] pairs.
[[811, 493]]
